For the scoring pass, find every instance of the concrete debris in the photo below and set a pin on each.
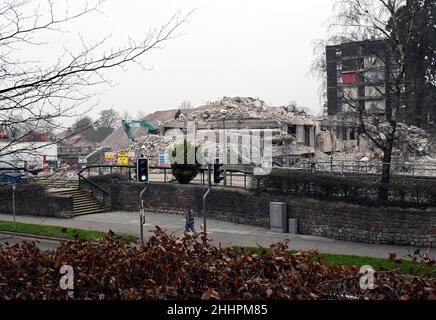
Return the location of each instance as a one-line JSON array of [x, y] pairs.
[[241, 109], [154, 144], [77, 140], [237, 108], [412, 141], [325, 141]]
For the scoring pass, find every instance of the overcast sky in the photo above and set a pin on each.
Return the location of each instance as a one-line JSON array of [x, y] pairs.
[[253, 48]]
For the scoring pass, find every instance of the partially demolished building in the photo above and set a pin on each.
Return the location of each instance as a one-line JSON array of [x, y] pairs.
[[295, 134], [357, 76], [293, 131]]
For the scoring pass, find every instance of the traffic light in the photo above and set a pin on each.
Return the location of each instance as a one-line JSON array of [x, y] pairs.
[[142, 170], [217, 172]]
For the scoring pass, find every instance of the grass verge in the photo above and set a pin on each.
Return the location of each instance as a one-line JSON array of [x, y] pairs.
[[406, 267], [59, 232]]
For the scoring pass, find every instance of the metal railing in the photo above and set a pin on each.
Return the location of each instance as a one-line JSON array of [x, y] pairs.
[[367, 167], [92, 187], [234, 178], [241, 176]]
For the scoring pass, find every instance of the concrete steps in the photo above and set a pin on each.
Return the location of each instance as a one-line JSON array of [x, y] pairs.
[[56, 183], [83, 203]]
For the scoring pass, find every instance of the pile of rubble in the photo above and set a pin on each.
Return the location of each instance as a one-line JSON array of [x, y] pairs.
[[240, 108], [154, 144], [413, 141], [410, 143], [237, 108]]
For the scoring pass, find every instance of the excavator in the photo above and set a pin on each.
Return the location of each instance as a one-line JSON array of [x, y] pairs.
[[128, 125]]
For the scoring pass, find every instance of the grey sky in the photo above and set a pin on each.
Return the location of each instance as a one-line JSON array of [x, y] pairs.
[[251, 48]]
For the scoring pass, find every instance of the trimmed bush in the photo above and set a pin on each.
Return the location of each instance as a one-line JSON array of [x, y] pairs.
[[182, 170]]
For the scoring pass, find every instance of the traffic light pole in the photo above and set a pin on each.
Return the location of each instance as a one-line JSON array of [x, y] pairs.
[[142, 175], [209, 174], [141, 213]]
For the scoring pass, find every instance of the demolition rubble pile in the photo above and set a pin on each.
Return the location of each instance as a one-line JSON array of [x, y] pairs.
[[413, 141], [154, 144], [412, 144], [413, 153], [240, 108]]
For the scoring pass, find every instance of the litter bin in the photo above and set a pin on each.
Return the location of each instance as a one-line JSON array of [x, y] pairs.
[[292, 226], [279, 217]]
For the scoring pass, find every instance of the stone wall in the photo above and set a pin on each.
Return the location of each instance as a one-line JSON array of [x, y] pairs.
[[223, 204], [33, 199], [347, 222], [329, 219], [105, 182]]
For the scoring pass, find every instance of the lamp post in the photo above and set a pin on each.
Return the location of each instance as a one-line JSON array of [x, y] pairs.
[[14, 186], [223, 117], [209, 188]]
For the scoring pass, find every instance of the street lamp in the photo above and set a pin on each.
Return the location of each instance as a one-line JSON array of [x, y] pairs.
[[223, 117], [14, 187]]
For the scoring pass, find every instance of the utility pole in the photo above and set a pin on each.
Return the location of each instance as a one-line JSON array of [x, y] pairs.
[[224, 149], [209, 175], [13, 205]]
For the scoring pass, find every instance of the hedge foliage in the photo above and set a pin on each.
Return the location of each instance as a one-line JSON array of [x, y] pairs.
[[170, 267], [185, 172], [353, 188]]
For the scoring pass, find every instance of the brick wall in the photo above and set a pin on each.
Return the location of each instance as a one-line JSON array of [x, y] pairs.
[[329, 219], [33, 199]]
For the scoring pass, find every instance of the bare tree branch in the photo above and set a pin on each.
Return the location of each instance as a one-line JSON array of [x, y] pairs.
[[32, 95]]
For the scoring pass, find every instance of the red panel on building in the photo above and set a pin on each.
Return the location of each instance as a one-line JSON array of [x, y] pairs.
[[349, 78]]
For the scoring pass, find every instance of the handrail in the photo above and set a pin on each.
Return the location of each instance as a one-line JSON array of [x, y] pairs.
[[104, 166], [151, 168], [93, 184]]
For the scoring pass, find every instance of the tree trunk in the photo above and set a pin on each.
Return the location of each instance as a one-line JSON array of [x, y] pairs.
[[383, 192]]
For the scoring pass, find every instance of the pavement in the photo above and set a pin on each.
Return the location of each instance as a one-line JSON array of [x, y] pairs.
[[222, 233]]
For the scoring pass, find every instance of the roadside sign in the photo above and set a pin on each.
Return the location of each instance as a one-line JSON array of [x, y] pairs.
[[109, 156], [164, 160], [123, 158], [83, 160]]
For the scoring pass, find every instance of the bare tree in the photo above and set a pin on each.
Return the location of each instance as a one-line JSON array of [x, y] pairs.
[[33, 94], [141, 114], [109, 118], [126, 115], [377, 20], [185, 105]]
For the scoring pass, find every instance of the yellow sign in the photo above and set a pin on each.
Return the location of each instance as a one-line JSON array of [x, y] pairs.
[[123, 158], [109, 156]]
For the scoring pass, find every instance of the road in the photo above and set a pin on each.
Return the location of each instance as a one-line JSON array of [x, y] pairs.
[[8, 239], [222, 233]]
